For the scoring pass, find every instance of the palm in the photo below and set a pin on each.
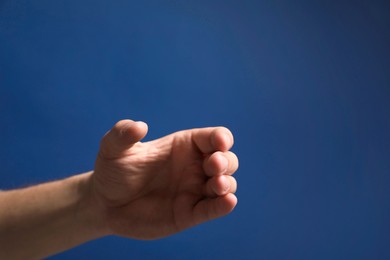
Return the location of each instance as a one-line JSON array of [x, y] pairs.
[[155, 188]]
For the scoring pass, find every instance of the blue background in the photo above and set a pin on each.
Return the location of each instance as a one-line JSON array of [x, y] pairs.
[[304, 86]]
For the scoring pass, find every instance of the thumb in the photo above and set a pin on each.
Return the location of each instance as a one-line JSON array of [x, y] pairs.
[[121, 138]]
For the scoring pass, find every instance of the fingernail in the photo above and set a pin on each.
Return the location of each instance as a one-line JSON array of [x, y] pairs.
[[227, 139], [225, 164], [226, 184]]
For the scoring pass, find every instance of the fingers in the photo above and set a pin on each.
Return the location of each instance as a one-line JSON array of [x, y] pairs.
[[209, 209], [213, 139], [220, 163], [122, 137], [220, 185]]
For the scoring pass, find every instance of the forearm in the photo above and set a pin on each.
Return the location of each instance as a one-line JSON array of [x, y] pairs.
[[49, 218]]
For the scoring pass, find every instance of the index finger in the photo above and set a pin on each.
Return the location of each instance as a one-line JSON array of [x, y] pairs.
[[212, 139]]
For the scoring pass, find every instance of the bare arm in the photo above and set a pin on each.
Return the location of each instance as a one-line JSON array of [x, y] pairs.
[[41, 220]]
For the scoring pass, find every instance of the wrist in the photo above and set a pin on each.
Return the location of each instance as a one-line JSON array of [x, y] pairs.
[[90, 213]]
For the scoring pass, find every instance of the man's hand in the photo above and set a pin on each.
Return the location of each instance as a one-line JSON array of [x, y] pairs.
[[154, 189], [139, 190]]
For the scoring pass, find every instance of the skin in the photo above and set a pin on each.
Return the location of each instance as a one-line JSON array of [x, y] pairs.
[[139, 190]]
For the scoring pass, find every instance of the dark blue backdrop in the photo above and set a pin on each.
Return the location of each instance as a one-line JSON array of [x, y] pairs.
[[304, 86]]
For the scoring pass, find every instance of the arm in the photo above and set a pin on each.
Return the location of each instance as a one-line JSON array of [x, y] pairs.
[[138, 190], [38, 221]]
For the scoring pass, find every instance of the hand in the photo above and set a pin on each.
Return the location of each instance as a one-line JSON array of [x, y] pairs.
[[154, 189]]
